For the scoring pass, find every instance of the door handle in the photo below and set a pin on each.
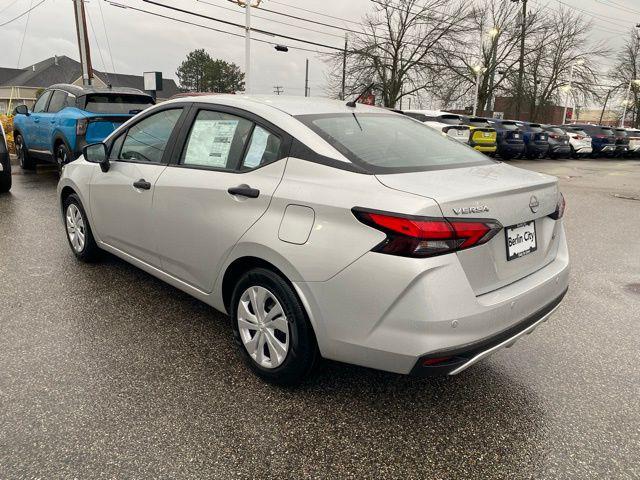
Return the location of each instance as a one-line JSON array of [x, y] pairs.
[[142, 184], [244, 191]]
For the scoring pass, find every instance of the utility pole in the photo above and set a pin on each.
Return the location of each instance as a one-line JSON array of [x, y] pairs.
[[83, 42], [278, 90], [521, 67], [344, 67], [247, 48], [306, 79], [606, 99]]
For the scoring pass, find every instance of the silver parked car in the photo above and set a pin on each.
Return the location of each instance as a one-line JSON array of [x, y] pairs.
[[325, 230]]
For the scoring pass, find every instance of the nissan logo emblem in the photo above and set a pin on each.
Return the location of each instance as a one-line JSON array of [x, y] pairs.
[[534, 204]]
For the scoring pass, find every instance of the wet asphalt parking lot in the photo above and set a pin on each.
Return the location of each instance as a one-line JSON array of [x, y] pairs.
[[106, 372]]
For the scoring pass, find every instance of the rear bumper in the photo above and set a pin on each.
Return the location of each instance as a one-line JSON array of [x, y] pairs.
[[560, 148], [604, 149], [390, 313], [462, 358], [511, 149]]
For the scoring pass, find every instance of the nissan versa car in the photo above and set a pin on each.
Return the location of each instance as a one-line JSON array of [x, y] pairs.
[[324, 230]]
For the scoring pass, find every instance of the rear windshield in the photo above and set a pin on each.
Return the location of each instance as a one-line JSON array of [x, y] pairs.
[[450, 119], [117, 103], [479, 122], [391, 143], [606, 131], [579, 131], [557, 130], [620, 133], [509, 126], [535, 128]]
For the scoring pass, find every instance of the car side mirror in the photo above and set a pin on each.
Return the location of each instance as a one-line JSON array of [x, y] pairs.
[[97, 153], [22, 110]]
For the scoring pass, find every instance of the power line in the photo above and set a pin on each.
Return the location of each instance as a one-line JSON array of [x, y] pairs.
[[612, 4], [106, 36], [316, 13], [95, 38], [24, 34], [257, 30], [9, 6], [253, 15], [166, 17], [23, 13]]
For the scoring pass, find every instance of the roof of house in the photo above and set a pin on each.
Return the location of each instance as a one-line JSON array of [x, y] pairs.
[[62, 69]]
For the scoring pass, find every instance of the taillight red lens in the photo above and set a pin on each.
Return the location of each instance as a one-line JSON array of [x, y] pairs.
[[410, 236], [560, 207], [579, 137]]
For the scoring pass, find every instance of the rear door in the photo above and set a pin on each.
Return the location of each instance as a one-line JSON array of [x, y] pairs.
[[57, 103], [121, 198], [220, 183], [33, 133]]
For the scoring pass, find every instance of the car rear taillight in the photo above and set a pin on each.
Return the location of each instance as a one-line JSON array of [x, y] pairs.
[[560, 207], [411, 236], [554, 135], [579, 137], [81, 126]]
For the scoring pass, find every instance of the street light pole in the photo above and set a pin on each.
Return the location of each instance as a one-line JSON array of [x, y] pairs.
[[566, 103], [306, 79], [521, 67], [626, 101]]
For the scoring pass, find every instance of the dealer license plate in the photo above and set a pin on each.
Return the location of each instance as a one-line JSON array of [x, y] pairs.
[[521, 240]]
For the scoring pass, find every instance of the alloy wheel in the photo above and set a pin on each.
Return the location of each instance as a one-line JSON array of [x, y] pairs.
[[75, 227], [263, 327]]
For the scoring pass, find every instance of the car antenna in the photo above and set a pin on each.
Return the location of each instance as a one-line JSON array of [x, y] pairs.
[[353, 103]]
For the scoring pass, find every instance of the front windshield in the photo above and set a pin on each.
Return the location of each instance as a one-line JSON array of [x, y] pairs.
[[384, 143]]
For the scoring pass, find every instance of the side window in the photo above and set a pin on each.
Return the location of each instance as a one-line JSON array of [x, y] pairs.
[[41, 104], [264, 148], [116, 147], [216, 140], [146, 140], [58, 101]]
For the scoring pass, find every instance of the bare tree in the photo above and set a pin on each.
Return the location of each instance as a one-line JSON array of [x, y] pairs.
[[625, 71], [491, 44], [400, 48], [562, 67]]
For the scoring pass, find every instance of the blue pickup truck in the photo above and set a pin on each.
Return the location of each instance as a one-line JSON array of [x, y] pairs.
[[65, 118]]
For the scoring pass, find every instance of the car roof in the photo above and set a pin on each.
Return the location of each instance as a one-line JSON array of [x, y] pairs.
[[291, 105], [78, 90]]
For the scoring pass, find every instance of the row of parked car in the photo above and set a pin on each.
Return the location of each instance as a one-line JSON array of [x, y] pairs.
[[517, 139]]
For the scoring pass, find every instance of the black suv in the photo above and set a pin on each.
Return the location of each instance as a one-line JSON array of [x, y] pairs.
[[5, 164]]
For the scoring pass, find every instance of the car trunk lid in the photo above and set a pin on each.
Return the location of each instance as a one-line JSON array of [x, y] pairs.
[[498, 192]]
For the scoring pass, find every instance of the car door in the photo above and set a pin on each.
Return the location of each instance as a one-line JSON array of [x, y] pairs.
[[48, 124], [219, 185], [121, 198], [33, 134]]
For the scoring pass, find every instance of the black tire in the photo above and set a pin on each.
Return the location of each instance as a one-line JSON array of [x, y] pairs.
[[61, 156], [89, 252], [26, 162], [302, 354], [5, 177]]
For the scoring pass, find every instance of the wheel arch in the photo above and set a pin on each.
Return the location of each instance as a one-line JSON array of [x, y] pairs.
[[59, 138]]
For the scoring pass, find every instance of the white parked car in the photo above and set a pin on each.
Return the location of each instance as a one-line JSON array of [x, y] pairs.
[[634, 141], [579, 140], [325, 230], [449, 124]]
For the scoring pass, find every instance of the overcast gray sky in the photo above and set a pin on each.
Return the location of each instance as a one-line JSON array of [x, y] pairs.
[[141, 42]]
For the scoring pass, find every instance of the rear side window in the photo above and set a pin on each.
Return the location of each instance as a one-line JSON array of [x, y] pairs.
[[146, 140], [58, 101], [383, 143], [263, 148], [117, 103]]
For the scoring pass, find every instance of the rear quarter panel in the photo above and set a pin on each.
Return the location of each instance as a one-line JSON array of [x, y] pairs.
[[65, 129]]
